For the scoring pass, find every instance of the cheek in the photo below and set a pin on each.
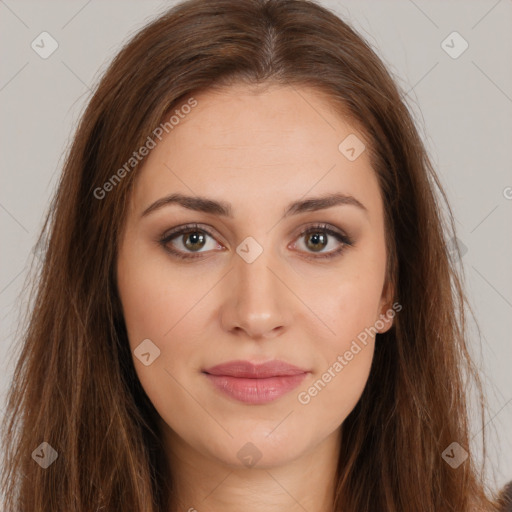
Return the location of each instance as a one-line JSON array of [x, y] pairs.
[[342, 304], [348, 304], [329, 397], [162, 305], [344, 358], [155, 296]]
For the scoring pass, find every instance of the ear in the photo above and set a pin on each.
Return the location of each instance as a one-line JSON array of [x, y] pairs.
[[387, 309]]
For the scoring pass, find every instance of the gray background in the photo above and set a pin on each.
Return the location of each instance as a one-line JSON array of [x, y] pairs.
[[463, 108]]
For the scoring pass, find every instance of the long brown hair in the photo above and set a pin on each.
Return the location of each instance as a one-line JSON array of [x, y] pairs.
[[75, 386]]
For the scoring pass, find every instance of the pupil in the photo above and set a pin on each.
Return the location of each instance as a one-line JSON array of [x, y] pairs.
[[317, 238], [195, 238]]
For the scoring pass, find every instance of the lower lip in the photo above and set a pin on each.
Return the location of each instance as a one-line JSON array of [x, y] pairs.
[[256, 391]]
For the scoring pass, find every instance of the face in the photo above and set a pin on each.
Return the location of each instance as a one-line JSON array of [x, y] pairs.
[[281, 291]]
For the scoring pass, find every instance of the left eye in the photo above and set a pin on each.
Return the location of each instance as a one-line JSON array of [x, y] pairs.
[[319, 239], [185, 241]]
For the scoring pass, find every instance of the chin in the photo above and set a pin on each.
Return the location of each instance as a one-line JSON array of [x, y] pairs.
[[261, 447]]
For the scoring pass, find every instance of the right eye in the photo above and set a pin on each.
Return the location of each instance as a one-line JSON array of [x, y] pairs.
[[184, 241]]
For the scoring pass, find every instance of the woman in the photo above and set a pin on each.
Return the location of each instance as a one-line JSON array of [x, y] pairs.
[[247, 300]]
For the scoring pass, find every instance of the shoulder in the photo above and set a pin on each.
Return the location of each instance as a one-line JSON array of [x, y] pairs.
[[505, 498]]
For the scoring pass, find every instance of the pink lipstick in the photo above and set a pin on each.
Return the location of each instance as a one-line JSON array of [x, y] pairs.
[[255, 383]]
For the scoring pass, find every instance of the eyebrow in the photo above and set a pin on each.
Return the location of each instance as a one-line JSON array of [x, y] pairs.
[[221, 208]]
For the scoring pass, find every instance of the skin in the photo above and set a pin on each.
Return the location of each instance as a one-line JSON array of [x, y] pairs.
[[258, 150]]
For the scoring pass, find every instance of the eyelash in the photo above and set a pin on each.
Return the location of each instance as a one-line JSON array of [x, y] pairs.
[[192, 228]]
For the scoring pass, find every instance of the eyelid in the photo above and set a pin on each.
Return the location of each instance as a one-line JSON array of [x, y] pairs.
[[331, 230], [185, 228], [181, 230]]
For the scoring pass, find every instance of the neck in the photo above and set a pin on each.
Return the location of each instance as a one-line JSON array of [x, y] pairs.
[[205, 484]]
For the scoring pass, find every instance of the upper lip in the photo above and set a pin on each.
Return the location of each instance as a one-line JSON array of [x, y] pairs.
[[248, 370]]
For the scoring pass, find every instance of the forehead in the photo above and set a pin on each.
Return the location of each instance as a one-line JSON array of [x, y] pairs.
[[262, 124], [244, 143]]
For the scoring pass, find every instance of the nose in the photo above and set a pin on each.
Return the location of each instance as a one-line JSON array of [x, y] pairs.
[[257, 300]]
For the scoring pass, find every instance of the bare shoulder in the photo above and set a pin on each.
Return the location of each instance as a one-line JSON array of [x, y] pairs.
[[505, 498]]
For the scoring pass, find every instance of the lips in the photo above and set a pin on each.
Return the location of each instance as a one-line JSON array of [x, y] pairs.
[[248, 370], [255, 383]]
